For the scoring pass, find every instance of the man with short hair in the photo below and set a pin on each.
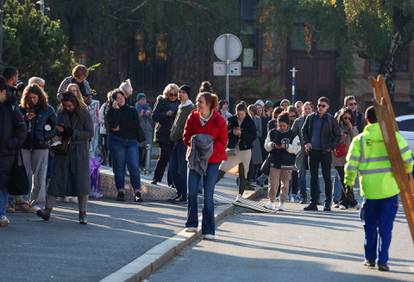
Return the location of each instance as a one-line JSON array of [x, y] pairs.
[[12, 135], [178, 164], [321, 134], [11, 74], [368, 157]]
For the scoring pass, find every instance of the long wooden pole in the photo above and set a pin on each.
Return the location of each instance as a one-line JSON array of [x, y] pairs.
[[386, 119]]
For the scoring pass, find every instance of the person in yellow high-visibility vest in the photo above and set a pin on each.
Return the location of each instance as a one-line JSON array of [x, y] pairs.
[[368, 157]]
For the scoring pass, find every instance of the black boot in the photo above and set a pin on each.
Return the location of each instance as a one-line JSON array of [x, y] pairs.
[[44, 214], [220, 175], [242, 180]]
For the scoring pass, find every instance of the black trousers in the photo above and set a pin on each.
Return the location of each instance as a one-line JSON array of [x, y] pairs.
[[324, 158], [166, 149], [346, 200]]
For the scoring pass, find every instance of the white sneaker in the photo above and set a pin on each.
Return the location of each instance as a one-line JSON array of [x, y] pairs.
[[191, 229], [342, 207], [209, 237], [270, 206], [281, 206], [292, 199], [239, 197], [96, 195], [4, 221]]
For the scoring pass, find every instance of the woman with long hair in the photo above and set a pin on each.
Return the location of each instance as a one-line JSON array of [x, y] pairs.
[[71, 168], [346, 122], [241, 134], [204, 125], [40, 119]]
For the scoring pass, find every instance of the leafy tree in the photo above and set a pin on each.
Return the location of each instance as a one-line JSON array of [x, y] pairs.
[[35, 44], [375, 29]]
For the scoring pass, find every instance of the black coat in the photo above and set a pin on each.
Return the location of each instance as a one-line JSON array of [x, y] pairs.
[[248, 133], [330, 133], [13, 129], [128, 121], [163, 122]]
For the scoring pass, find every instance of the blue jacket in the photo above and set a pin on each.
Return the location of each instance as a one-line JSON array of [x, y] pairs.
[[40, 129]]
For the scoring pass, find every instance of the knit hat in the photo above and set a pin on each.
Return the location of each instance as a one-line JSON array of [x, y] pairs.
[[140, 96], [285, 101], [186, 89], [126, 87], [268, 103], [259, 103]]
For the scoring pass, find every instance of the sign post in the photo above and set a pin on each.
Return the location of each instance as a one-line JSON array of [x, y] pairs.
[[293, 71], [227, 48]]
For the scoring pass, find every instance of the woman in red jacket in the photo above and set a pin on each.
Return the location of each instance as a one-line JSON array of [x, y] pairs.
[[205, 120]]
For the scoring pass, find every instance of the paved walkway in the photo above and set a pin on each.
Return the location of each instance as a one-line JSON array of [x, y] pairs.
[[291, 246]]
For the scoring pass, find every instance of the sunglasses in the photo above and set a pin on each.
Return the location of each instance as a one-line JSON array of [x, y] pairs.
[[173, 95], [322, 106]]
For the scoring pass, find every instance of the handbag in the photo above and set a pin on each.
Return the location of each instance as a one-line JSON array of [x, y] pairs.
[[265, 168], [60, 147], [340, 150], [19, 181]]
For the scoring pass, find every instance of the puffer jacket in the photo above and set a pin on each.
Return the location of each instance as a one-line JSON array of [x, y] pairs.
[[40, 128]]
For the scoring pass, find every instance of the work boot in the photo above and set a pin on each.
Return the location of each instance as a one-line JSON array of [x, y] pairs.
[[242, 180], [220, 175]]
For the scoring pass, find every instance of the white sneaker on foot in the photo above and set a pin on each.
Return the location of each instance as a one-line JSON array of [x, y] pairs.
[[342, 207], [4, 221], [281, 206], [209, 237], [191, 229], [239, 197], [270, 206]]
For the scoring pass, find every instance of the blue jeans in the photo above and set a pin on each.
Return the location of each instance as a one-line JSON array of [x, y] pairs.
[[208, 225], [378, 217], [3, 202], [337, 188], [125, 152], [178, 166]]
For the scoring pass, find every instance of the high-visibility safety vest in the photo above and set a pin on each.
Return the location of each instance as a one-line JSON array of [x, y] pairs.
[[368, 158]]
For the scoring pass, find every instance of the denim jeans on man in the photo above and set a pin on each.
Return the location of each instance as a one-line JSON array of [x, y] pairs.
[[208, 225], [378, 217], [125, 152], [324, 158], [3, 202], [178, 166]]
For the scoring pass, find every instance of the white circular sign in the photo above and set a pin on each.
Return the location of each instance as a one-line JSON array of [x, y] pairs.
[[227, 47]]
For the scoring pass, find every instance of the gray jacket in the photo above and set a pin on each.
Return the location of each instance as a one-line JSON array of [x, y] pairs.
[[200, 153]]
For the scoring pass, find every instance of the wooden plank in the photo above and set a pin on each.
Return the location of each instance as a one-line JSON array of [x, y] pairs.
[[386, 119]]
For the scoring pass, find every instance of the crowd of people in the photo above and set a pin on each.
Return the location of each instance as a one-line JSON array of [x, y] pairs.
[[264, 142]]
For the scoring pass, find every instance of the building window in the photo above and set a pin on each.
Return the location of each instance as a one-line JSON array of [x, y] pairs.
[[161, 48], [249, 33], [139, 44]]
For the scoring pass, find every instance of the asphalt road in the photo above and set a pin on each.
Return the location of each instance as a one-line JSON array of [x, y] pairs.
[[290, 246]]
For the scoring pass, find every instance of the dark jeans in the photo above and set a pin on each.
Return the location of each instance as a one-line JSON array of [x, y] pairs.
[[324, 158], [178, 168], [294, 183], [208, 225], [378, 217], [125, 152], [162, 163]]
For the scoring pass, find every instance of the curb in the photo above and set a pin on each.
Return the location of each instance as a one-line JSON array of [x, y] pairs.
[[157, 256]]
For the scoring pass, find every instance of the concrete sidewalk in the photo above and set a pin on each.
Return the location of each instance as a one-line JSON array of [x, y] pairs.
[[117, 233], [290, 246]]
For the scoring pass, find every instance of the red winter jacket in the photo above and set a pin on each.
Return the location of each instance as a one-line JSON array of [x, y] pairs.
[[216, 127]]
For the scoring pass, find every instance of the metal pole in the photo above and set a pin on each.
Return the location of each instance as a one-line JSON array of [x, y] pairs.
[[293, 71], [1, 34], [227, 70], [148, 158]]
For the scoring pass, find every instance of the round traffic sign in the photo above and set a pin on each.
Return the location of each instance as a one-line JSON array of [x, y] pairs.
[[227, 47]]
